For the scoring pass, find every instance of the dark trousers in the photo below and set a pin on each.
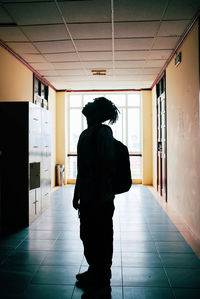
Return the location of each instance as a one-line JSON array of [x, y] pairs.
[[96, 233]]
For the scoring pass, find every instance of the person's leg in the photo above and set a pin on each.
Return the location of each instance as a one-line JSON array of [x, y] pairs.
[[96, 232], [104, 245]]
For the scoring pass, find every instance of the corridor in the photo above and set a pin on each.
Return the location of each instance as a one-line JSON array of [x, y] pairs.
[[151, 258]]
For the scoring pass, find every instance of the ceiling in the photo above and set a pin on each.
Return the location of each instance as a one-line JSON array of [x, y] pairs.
[[65, 40]]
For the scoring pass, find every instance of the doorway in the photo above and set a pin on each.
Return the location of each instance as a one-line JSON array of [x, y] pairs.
[[161, 138]]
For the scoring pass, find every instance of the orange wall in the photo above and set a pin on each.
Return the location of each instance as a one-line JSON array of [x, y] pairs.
[[16, 80], [183, 134], [16, 84]]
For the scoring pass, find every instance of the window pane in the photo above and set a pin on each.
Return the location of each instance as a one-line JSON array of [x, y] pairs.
[[134, 99], [75, 100], [72, 172], [117, 99], [119, 127], [134, 130], [74, 128], [136, 166]]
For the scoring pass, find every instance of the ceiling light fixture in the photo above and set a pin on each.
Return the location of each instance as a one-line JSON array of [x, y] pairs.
[[98, 72]]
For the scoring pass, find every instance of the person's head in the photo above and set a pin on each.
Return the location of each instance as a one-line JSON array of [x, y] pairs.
[[100, 110]]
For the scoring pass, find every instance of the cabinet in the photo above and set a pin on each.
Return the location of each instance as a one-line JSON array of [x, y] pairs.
[[25, 145]]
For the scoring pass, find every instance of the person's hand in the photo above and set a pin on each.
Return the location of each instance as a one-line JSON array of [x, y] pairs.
[[76, 202]]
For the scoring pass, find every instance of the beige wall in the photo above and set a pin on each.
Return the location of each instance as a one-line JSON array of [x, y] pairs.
[[16, 84], [61, 128], [147, 136], [52, 108], [16, 80], [183, 134]]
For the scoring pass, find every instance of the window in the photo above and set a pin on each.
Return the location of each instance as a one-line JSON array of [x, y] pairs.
[[127, 129], [40, 93]]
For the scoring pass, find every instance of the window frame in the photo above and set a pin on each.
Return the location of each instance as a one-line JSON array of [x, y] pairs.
[[126, 107]]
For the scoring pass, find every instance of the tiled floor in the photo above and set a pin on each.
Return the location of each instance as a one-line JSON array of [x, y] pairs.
[[151, 258]]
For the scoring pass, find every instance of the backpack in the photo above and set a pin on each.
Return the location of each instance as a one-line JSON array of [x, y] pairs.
[[122, 180]]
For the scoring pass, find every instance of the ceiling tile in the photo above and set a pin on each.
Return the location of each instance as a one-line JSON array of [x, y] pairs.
[[84, 31], [172, 28], [86, 11], [49, 73], [12, 34], [33, 58], [133, 44], [129, 10], [166, 42], [128, 64], [23, 48], [98, 64], [70, 72], [42, 66], [94, 45], [155, 63], [55, 46], [159, 54], [131, 55], [136, 71], [93, 56], [136, 29], [185, 9], [46, 32], [61, 57], [34, 13], [4, 17], [67, 65]]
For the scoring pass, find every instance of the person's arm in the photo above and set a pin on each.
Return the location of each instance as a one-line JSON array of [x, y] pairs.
[[76, 197], [106, 153]]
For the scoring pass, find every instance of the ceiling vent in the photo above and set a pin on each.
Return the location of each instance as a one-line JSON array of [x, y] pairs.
[[98, 72]]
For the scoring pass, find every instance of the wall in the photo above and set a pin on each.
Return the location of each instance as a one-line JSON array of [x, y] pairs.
[[16, 84], [16, 80], [183, 133], [61, 128], [147, 136], [154, 137], [52, 108]]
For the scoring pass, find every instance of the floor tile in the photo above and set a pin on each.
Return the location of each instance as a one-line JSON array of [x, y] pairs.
[[185, 278], [62, 258], [167, 236], [66, 245], [186, 293], [178, 247], [15, 278], [144, 277], [43, 235], [141, 260], [145, 246], [162, 228], [180, 260], [56, 275], [26, 257], [116, 293], [36, 245], [150, 293], [48, 292]]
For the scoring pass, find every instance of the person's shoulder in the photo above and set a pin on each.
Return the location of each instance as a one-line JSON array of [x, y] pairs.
[[105, 130]]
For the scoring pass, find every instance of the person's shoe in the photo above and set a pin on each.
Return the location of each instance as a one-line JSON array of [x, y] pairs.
[[84, 275]]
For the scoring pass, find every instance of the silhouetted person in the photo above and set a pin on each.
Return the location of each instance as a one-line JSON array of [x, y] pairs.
[[93, 195]]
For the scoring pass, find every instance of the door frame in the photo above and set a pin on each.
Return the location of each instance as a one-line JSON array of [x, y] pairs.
[[161, 156]]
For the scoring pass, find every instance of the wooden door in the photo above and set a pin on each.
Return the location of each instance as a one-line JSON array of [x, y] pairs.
[[161, 139]]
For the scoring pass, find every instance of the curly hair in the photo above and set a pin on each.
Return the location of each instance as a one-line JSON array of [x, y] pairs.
[[106, 110]]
